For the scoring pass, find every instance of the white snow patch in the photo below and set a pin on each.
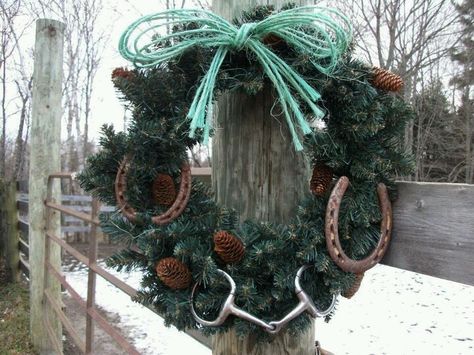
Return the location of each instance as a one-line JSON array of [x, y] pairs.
[[395, 312], [151, 336], [401, 312]]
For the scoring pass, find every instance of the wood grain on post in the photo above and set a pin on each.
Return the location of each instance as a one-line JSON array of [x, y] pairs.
[[45, 159], [257, 171], [10, 232]]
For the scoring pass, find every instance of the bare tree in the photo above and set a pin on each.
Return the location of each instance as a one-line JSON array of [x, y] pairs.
[[437, 144], [23, 125], [84, 43], [173, 4], [406, 36], [16, 84], [8, 12]]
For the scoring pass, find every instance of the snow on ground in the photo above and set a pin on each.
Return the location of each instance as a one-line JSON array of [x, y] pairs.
[[150, 335], [395, 312], [400, 312]]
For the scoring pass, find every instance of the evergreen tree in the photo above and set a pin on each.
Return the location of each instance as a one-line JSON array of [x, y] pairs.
[[465, 80], [438, 136], [464, 55]]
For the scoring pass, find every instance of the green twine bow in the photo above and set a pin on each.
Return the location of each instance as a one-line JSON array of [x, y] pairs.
[[311, 30]]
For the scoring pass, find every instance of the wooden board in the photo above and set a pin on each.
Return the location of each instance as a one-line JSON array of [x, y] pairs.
[[434, 230]]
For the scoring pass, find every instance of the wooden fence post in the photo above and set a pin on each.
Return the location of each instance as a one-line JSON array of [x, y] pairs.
[[2, 235], [45, 160], [91, 277], [9, 231], [257, 171]]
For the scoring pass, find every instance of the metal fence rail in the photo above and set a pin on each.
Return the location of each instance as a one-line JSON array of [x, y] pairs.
[[93, 269], [87, 305]]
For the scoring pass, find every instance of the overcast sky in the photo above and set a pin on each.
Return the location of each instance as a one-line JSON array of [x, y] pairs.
[[115, 17], [106, 107]]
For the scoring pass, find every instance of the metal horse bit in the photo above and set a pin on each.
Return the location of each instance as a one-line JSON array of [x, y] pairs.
[[229, 307]]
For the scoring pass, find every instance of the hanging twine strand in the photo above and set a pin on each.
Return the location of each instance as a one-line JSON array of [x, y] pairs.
[[323, 34]]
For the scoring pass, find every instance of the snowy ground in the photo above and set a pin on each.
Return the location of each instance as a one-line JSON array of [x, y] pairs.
[[395, 312], [400, 312], [148, 331]]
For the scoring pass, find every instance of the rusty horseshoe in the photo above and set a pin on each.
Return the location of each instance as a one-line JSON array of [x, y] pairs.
[[332, 235], [173, 212]]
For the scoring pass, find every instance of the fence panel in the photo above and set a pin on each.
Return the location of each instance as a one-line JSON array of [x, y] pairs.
[[88, 305], [433, 234]]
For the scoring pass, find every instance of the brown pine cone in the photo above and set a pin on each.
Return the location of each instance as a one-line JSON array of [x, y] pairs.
[[163, 190], [229, 248], [173, 273], [386, 80], [123, 73], [355, 286], [321, 179]]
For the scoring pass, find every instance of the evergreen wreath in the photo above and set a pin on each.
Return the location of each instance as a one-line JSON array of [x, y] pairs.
[[361, 139]]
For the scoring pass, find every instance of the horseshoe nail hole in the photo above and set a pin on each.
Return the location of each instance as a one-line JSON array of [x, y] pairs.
[[331, 213], [331, 228]]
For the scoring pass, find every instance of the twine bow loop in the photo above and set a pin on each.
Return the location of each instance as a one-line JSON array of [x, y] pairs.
[[321, 33], [243, 34]]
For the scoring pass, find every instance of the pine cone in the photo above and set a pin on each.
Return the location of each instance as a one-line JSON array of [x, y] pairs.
[[386, 80], [321, 179], [163, 190], [173, 273], [123, 73], [229, 248], [355, 286]]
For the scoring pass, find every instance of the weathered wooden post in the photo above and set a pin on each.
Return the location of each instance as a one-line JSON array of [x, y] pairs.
[[45, 160], [2, 235], [257, 171], [2, 239], [9, 231]]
